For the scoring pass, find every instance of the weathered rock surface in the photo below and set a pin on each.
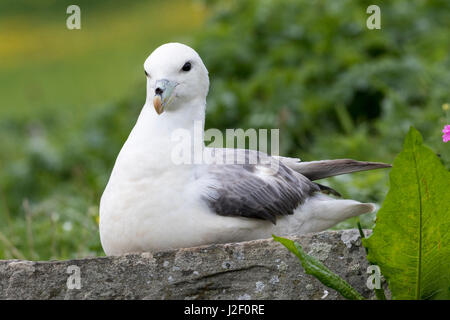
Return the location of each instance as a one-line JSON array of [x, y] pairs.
[[261, 269]]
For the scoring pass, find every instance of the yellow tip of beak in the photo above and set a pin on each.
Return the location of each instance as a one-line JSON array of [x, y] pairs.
[[157, 103]]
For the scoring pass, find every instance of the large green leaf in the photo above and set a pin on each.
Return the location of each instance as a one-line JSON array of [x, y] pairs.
[[410, 242]]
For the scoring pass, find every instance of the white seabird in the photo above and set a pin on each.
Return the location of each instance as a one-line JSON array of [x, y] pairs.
[[152, 203]]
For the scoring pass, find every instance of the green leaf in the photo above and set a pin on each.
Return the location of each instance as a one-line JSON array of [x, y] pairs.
[[411, 240], [317, 269]]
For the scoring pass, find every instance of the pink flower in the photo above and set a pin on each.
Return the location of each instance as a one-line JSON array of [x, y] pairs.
[[446, 131]]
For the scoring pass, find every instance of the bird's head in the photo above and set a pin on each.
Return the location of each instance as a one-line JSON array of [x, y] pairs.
[[175, 73]]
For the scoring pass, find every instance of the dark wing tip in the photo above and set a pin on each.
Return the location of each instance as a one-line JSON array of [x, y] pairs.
[[328, 190]]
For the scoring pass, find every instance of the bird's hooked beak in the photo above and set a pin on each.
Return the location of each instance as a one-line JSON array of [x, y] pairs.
[[163, 94]]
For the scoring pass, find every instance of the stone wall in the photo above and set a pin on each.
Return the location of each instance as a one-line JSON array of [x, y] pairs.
[[261, 269]]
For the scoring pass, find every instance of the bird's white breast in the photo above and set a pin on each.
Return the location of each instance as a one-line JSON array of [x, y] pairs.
[[151, 204]]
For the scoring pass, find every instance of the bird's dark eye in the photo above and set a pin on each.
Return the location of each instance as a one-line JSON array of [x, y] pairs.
[[186, 67], [146, 73]]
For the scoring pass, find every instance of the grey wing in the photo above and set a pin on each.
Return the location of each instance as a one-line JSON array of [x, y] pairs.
[[316, 170], [258, 190]]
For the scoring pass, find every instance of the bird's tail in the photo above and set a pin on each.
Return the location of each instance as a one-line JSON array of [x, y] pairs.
[[322, 212], [316, 170]]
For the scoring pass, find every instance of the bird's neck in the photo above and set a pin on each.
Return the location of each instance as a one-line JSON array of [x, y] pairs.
[[162, 136], [189, 117]]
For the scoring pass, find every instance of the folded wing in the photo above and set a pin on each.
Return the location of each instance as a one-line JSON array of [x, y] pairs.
[[256, 190]]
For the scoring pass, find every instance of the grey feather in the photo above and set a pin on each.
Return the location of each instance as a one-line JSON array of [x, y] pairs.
[[316, 170], [256, 190]]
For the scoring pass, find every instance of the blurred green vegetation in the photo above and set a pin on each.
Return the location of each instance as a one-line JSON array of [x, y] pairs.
[[68, 99], [310, 68]]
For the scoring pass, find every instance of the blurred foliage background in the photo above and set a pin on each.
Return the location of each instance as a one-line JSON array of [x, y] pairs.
[[69, 98]]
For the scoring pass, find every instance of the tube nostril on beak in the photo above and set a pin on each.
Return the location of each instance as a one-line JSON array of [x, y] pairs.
[[159, 91]]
